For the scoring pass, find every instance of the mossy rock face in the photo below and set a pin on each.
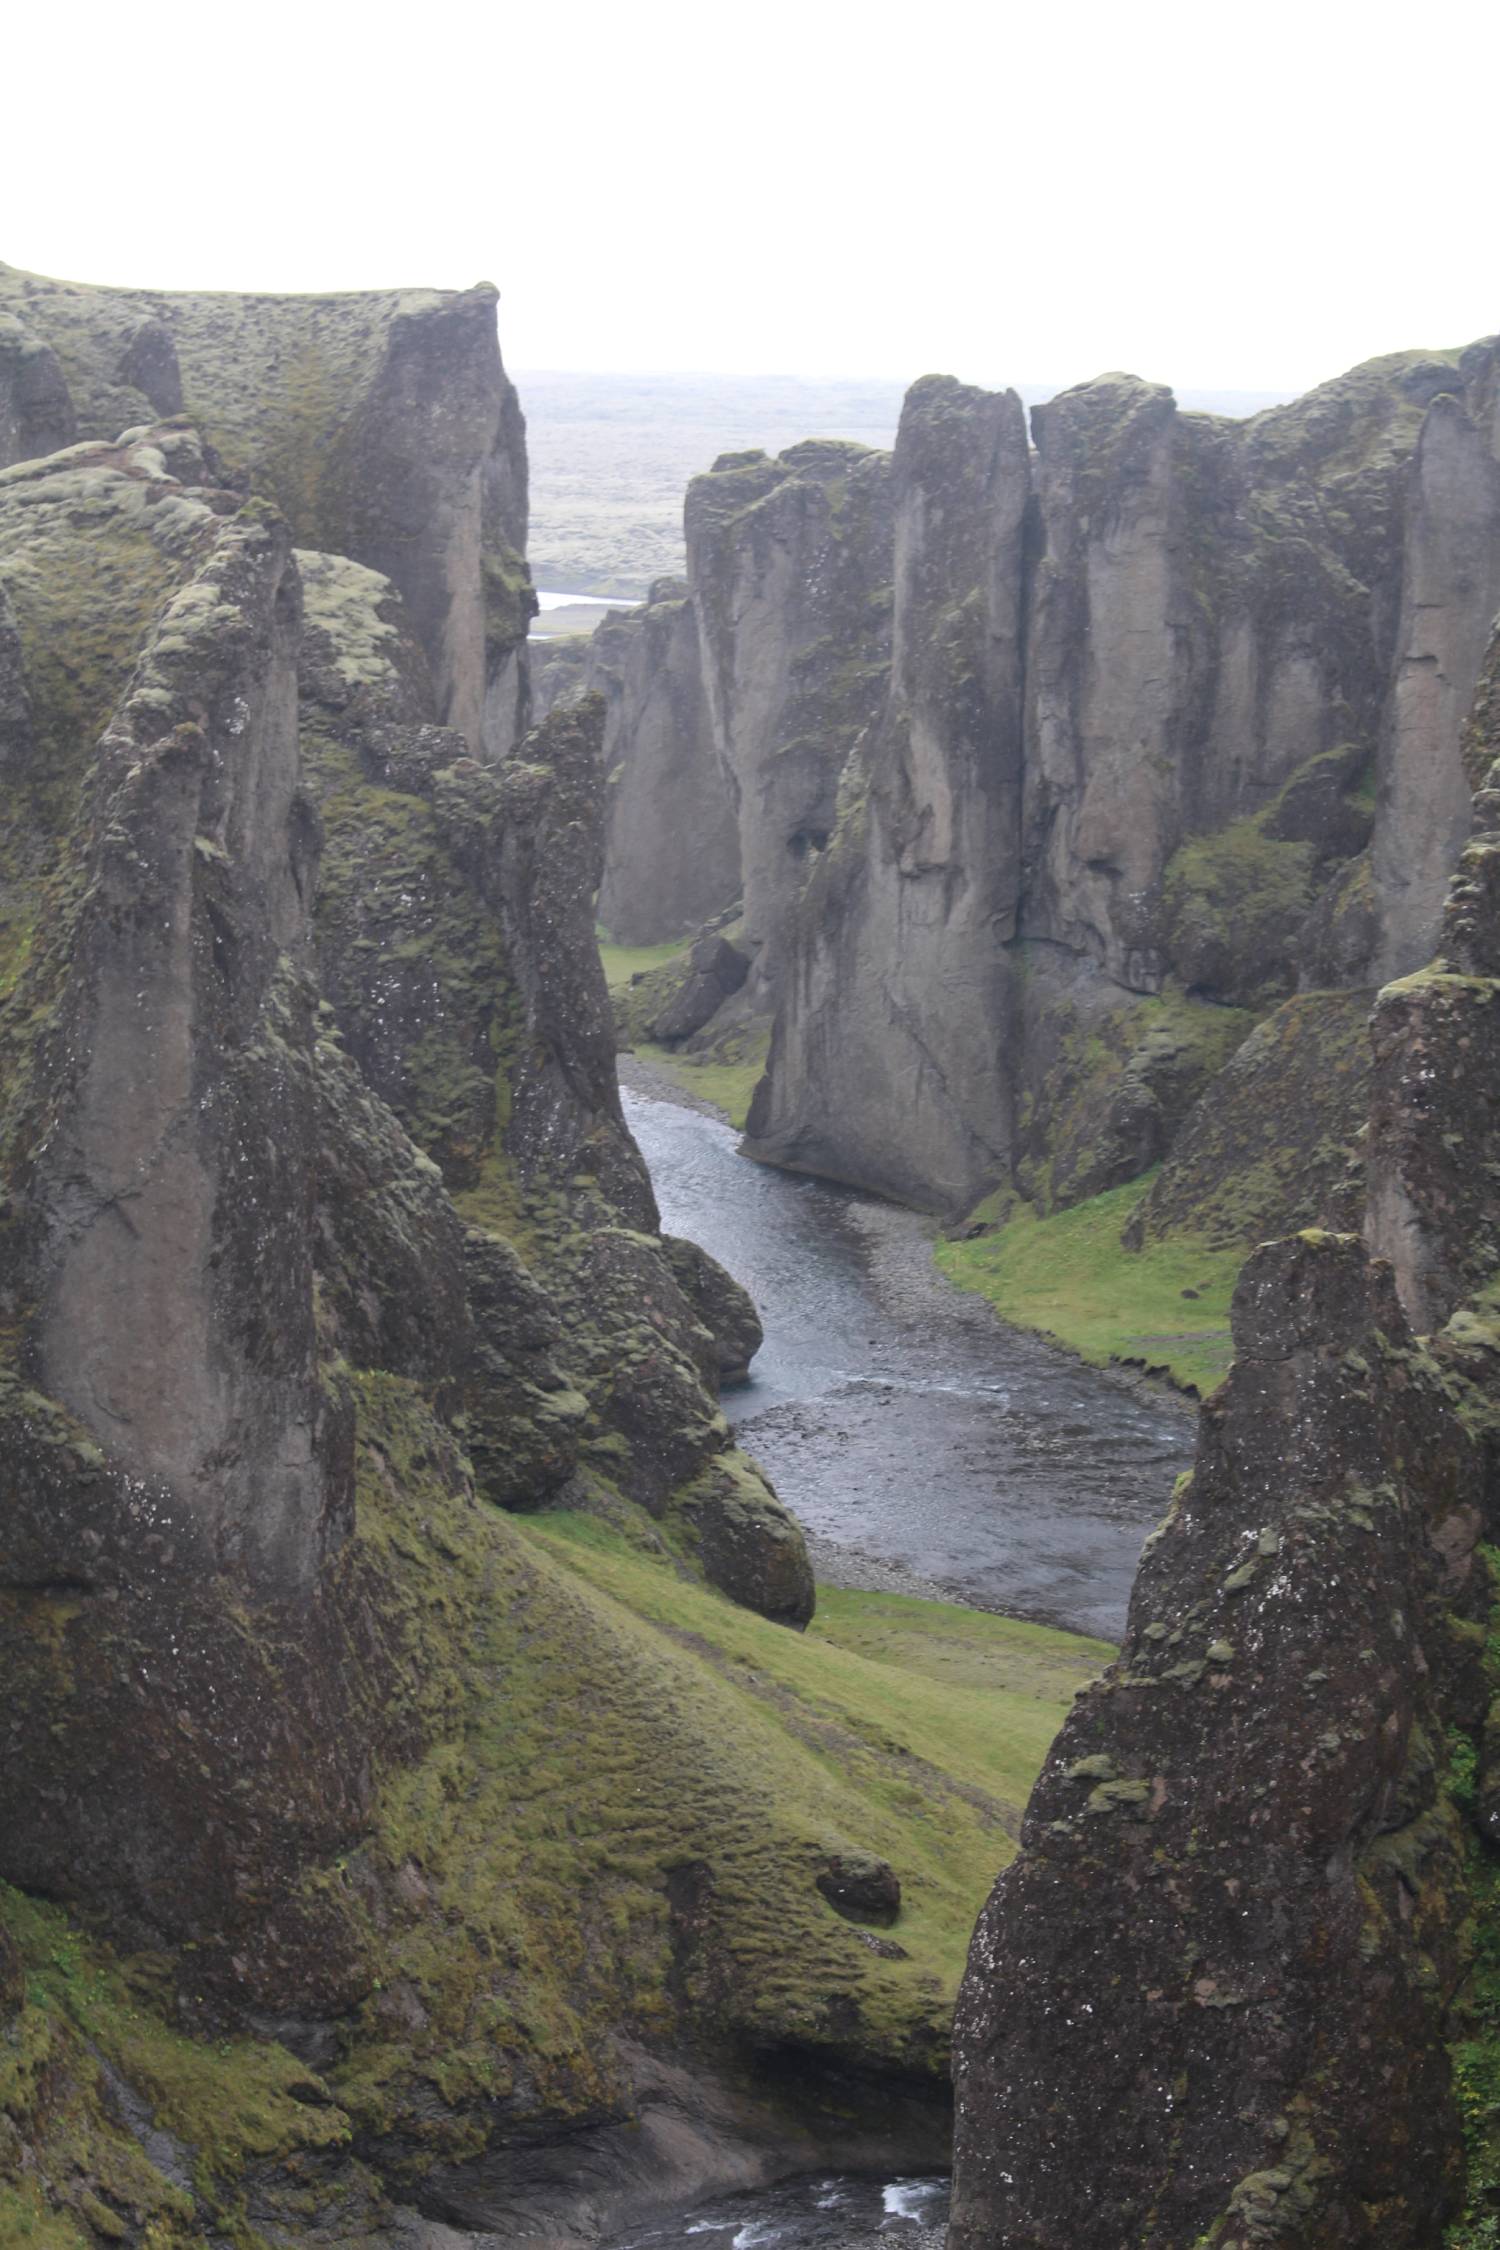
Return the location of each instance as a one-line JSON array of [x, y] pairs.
[[733, 1520], [1267, 1697], [1273, 1144], [1111, 1077], [724, 1308], [1236, 905], [861, 1887], [382, 424], [455, 944]]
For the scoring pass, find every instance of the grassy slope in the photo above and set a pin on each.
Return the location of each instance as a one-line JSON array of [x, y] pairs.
[[1070, 1277], [622, 962], [623, 1723]]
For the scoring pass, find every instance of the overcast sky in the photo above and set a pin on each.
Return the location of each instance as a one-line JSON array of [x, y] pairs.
[[1252, 200]]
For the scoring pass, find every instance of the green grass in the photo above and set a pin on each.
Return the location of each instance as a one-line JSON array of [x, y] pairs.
[[979, 1696], [912, 1729], [728, 1085], [1070, 1276], [626, 1723], [622, 962]]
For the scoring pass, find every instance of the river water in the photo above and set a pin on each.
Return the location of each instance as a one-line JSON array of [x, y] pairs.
[[897, 1417], [924, 1445], [831, 2213]]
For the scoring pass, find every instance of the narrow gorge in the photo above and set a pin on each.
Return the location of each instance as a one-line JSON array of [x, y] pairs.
[[438, 1807]]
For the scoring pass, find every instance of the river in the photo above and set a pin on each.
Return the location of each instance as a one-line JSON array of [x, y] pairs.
[[924, 1445], [898, 1419]]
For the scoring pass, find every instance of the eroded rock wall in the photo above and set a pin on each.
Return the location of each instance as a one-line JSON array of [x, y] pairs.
[[790, 563], [326, 1259], [1223, 765], [671, 836]]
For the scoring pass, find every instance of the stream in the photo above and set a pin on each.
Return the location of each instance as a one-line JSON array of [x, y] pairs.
[[925, 1447], [910, 1431], [827, 2213]]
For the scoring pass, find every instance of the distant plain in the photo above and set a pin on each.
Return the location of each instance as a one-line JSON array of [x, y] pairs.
[[611, 456]]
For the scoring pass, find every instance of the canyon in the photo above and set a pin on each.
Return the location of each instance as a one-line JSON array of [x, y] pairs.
[[439, 1808]]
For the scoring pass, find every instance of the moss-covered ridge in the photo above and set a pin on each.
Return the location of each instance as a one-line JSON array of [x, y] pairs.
[[455, 943]]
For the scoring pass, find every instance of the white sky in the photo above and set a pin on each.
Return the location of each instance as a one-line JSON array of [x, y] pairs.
[[1251, 199]]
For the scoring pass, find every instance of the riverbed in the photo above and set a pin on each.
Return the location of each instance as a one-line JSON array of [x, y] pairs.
[[921, 1442]]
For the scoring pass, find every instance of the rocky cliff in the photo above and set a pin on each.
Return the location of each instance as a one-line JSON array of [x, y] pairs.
[[790, 565], [671, 836], [382, 425], [387, 1790], [921, 870], [1167, 732], [1239, 1958]]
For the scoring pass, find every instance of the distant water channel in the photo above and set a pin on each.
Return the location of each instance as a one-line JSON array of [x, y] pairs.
[[896, 1416]]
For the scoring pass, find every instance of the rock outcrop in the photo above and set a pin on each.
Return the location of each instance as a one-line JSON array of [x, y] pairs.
[[368, 1508], [1232, 1958], [1222, 1962], [790, 564], [923, 873], [382, 425]]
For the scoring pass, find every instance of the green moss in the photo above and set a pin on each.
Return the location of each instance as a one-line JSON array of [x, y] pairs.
[[1070, 1276], [1233, 902], [1277, 1143], [622, 1724], [1157, 1053], [623, 963], [228, 2103]]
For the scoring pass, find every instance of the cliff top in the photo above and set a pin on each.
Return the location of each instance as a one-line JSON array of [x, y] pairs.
[[272, 381]]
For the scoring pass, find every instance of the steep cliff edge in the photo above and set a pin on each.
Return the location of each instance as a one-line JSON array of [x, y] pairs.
[[1237, 1946], [389, 1791]]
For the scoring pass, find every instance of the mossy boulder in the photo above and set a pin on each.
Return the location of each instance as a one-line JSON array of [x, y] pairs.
[[861, 1887]]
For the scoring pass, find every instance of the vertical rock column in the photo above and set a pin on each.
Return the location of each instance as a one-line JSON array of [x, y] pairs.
[[1450, 593], [790, 565], [890, 1061], [671, 838]]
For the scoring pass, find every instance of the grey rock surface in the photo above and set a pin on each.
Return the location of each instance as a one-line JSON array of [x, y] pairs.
[[671, 836]]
